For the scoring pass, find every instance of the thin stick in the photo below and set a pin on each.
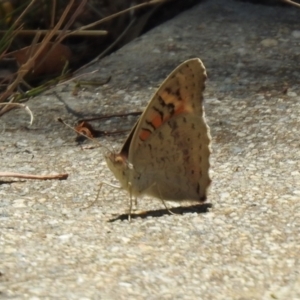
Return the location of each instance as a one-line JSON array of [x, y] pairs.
[[77, 77], [108, 48], [53, 14], [68, 32], [121, 12], [136, 113], [25, 11], [30, 176]]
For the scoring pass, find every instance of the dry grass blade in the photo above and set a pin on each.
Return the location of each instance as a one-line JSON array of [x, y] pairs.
[[109, 47], [7, 38], [25, 11], [122, 34], [72, 19], [19, 105], [134, 7], [291, 3], [58, 32], [26, 67]]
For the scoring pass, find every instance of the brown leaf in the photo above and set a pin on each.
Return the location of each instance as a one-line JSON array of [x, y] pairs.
[[51, 60], [86, 129]]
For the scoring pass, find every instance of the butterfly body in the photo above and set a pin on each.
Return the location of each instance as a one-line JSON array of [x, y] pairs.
[[166, 155]]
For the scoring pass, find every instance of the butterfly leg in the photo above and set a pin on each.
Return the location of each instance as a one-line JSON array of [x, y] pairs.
[[130, 202], [164, 202], [166, 207]]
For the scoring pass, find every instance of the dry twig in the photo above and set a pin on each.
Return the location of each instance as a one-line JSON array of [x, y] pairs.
[[30, 176], [134, 7], [58, 32]]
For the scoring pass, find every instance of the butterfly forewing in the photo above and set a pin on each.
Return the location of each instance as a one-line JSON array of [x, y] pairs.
[[167, 152], [181, 92]]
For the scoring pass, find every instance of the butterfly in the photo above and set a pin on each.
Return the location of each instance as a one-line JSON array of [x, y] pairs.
[[166, 154]]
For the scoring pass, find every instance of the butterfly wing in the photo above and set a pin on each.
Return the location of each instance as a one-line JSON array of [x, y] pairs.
[[173, 163], [170, 145], [181, 92]]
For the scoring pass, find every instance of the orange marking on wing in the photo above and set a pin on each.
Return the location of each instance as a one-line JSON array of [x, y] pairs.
[[181, 109], [144, 134], [156, 121]]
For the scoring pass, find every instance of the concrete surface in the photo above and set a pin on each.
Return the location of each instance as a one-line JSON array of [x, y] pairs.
[[246, 246]]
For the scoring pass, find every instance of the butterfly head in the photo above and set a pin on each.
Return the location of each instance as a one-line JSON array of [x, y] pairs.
[[119, 165]]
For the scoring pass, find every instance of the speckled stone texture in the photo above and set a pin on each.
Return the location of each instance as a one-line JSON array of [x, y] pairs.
[[246, 246]]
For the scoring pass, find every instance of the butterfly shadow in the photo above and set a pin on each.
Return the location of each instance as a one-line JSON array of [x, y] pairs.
[[198, 208]]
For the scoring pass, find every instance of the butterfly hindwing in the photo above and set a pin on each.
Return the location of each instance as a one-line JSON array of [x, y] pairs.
[[173, 163]]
